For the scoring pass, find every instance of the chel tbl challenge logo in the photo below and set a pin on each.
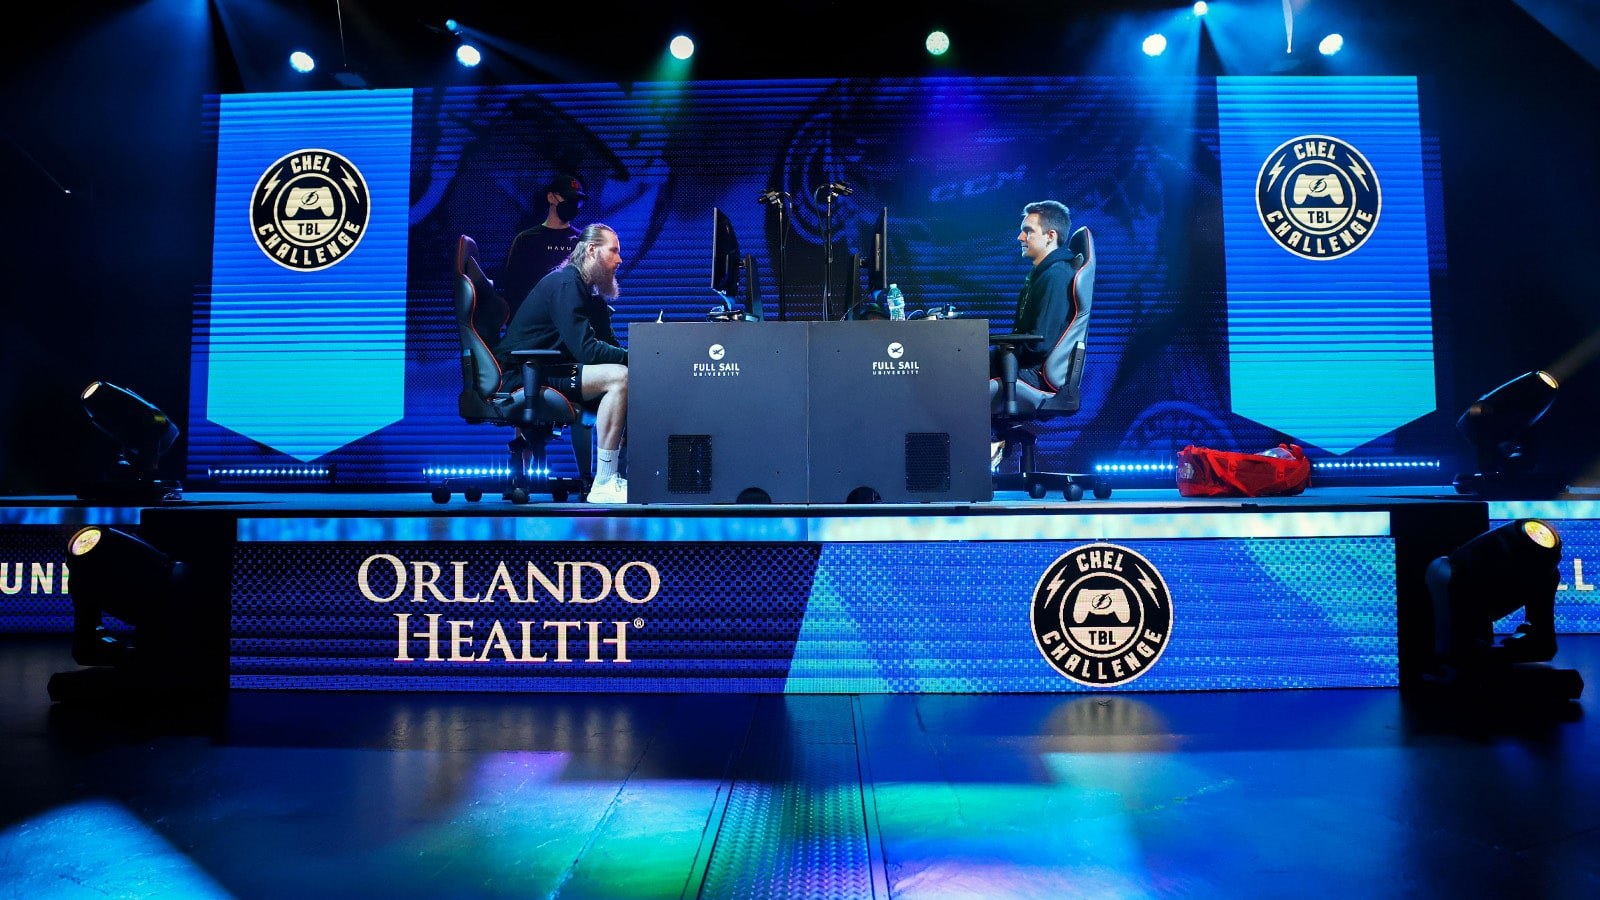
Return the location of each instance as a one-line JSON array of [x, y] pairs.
[[1318, 197], [309, 210], [1102, 615]]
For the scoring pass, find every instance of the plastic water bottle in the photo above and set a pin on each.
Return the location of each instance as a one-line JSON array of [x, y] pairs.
[[896, 302]]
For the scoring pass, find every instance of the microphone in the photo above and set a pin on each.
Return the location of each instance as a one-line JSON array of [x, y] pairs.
[[840, 189], [772, 198]]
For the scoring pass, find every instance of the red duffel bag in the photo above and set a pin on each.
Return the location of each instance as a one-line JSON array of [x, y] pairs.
[[1203, 472]]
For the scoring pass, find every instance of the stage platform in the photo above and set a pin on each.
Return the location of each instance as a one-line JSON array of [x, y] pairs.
[[1145, 591]]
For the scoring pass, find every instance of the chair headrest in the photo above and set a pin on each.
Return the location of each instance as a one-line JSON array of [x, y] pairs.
[[466, 249]]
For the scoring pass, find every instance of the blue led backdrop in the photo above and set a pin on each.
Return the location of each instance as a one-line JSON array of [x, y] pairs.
[[353, 367]]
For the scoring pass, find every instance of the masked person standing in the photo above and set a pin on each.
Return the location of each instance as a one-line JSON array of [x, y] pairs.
[[536, 251]]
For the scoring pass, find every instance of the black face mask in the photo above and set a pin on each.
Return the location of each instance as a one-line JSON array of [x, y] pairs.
[[567, 210]]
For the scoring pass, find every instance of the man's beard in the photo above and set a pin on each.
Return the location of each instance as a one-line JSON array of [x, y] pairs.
[[601, 280]]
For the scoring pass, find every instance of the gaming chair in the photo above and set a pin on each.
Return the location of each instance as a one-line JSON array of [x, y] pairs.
[[480, 312], [1021, 404]]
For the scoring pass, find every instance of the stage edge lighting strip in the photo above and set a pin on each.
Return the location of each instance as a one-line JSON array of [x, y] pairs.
[[797, 529]]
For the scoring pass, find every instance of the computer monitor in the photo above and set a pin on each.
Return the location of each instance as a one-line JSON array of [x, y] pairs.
[[725, 261], [877, 264]]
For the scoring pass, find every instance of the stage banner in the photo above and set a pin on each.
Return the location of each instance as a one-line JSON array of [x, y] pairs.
[[304, 347], [828, 616], [1330, 321]]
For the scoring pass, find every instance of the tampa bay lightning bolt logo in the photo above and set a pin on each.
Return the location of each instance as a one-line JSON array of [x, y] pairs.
[[309, 210], [1318, 197], [1102, 615]]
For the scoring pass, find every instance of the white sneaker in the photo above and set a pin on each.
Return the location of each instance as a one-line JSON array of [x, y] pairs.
[[997, 455], [609, 490]]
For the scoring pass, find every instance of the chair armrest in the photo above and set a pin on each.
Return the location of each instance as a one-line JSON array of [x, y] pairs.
[[1007, 345], [532, 363]]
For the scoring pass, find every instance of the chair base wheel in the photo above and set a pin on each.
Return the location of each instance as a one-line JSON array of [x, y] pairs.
[[440, 495]]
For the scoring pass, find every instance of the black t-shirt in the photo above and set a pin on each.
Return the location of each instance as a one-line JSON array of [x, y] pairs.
[[534, 254]]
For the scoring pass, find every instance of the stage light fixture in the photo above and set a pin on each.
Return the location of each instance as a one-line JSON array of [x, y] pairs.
[[681, 47], [301, 62], [1499, 426], [938, 43], [468, 55], [452, 26], [113, 573], [118, 574], [143, 434], [1201, 8], [1512, 567], [1155, 44], [1331, 44]]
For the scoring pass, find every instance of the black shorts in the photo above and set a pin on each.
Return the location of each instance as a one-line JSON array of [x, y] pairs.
[[566, 378]]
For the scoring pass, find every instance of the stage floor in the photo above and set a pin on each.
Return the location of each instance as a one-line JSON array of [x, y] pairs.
[[1242, 794]]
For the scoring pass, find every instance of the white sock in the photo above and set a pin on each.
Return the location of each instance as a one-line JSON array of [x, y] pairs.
[[606, 464]]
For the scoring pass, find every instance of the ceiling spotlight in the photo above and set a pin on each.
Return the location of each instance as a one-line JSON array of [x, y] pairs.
[[1155, 45], [468, 55], [938, 43], [301, 62], [681, 47], [1201, 8], [452, 26], [1331, 44]]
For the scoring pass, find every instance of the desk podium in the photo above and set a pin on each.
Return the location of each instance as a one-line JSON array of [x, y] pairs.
[[900, 411], [808, 412], [717, 412]]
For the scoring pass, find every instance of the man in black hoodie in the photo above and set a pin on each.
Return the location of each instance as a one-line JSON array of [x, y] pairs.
[[1044, 307], [568, 310]]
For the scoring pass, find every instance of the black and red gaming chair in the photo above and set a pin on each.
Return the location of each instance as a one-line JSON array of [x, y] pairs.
[[480, 312], [1019, 404]]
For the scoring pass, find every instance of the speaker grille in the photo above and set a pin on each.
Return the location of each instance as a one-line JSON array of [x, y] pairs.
[[688, 463], [928, 462]]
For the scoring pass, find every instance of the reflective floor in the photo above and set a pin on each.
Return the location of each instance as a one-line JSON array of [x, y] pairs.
[[1350, 793]]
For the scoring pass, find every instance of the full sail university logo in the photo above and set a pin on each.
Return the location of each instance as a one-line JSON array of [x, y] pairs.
[[1102, 615], [309, 210], [1318, 197]]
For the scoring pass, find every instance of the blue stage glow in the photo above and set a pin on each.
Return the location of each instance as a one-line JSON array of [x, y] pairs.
[[301, 61], [101, 849]]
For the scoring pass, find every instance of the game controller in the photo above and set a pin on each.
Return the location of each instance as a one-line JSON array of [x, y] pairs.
[[1101, 602], [310, 198], [1308, 185]]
